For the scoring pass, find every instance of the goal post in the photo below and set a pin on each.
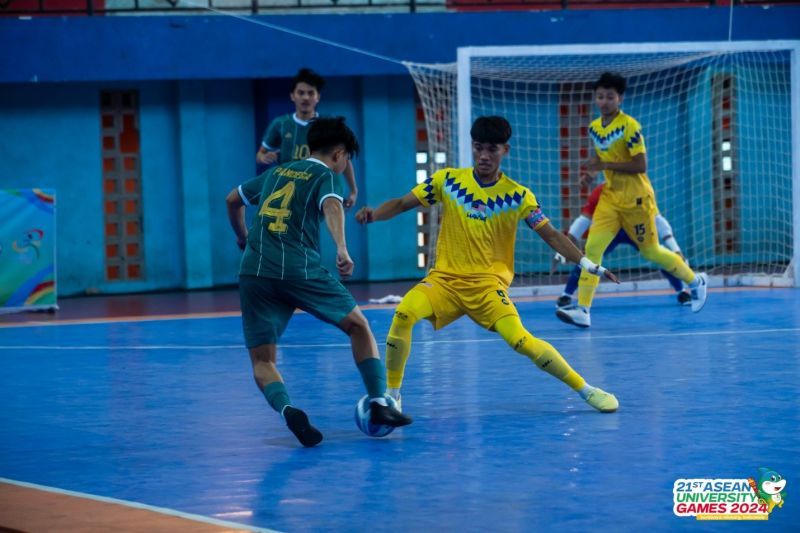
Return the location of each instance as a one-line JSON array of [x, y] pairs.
[[721, 122]]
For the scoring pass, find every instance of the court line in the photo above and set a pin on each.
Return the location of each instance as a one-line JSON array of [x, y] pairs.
[[365, 307], [737, 332], [137, 505]]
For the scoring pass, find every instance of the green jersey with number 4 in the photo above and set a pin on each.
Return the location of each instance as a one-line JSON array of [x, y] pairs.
[[283, 241]]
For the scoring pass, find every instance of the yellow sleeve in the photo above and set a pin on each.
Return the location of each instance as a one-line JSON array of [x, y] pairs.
[[429, 191], [634, 139], [531, 211]]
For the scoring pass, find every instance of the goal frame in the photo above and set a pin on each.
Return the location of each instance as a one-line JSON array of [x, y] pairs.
[[464, 107]]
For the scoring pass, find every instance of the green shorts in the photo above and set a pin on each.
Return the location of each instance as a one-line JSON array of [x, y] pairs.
[[268, 304]]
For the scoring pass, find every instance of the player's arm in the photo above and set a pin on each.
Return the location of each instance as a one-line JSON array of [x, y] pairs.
[[637, 165], [350, 177], [266, 154], [236, 209], [334, 218], [267, 157], [589, 170], [388, 209], [576, 230], [561, 244]]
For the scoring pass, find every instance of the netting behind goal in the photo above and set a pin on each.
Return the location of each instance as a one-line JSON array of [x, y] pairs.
[[718, 131]]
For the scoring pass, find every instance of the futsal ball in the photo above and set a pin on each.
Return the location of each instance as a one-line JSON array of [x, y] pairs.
[[363, 414]]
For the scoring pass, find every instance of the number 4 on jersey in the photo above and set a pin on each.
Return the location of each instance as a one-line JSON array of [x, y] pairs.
[[280, 214]]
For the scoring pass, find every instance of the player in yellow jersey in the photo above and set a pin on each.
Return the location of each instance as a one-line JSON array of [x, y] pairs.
[[627, 202], [481, 209]]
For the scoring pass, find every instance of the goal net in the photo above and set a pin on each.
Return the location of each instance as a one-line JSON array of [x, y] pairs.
[[721, 132]]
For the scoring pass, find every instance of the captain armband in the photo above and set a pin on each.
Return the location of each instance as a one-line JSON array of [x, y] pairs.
[[536, 219]]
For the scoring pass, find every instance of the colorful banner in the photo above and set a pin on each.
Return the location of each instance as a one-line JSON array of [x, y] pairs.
[[27, 250]]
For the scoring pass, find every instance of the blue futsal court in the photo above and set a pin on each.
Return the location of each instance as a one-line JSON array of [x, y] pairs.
[[165, 413]]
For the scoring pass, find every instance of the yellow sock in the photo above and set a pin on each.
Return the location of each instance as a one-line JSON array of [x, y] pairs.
[[596, 246], [586, 287], [669, 261], [542, 353], [414, 306]]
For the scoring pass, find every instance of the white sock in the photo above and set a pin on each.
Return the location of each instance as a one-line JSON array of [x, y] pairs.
[[380, 401], [695, 283], [585, 391]]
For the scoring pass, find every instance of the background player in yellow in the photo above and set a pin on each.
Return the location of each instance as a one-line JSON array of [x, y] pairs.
[[627, 202], [481, 209]]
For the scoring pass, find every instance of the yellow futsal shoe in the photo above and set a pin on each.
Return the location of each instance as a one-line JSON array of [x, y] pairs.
[[603, 401]]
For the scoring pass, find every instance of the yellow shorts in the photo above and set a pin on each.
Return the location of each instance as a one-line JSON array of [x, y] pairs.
[[638, 222], [484, 301]]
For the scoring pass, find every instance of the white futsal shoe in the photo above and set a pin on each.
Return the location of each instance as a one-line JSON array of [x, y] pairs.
[[700, 293], [575, 315]]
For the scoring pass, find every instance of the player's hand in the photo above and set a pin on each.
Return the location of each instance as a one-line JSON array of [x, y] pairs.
[[558, 259], [350, 201], [610, 276], [593, 165], [364, 215], [586, 178], [241, 242], [266, 158], [343, 263]]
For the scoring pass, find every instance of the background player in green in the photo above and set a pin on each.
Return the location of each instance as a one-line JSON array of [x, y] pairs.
[[281, 271], [285, 137]]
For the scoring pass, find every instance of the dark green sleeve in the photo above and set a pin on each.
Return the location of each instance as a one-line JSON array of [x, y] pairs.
[[250, 190], [330, 185], [272, 137]]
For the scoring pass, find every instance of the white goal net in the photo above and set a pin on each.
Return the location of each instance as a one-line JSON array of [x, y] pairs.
[[720, 121]]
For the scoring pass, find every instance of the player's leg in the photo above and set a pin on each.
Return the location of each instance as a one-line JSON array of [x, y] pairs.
[[605, 226], [565, 299], [548, 359], [414, 306], [373, 373], [264, 318], [327, 299], [640, 225]]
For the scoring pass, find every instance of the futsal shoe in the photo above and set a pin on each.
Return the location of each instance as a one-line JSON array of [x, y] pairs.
[[564, 301], [684, 297], [603, 401], [298, 423], [386, 415], [700, 293], [575, 315]]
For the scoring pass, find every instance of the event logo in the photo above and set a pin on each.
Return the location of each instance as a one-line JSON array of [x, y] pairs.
[[27, 245], [729, 499]]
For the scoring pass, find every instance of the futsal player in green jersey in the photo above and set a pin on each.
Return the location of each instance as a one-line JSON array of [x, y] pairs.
[[281, 271], [627, 202], [482, 208], [285, 137]]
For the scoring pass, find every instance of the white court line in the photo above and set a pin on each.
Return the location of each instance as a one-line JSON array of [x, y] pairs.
[[137, 505], [416, 343]]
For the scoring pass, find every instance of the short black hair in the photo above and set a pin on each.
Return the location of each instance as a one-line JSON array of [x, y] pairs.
[[325, 134], [306, 75], [493, 129], [611, 80]]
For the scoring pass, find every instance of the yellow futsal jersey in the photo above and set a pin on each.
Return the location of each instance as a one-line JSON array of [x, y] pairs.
[[618, 143], [479, 223]]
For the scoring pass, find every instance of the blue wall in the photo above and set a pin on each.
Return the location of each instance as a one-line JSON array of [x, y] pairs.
[[165, 47], [209, 85]]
